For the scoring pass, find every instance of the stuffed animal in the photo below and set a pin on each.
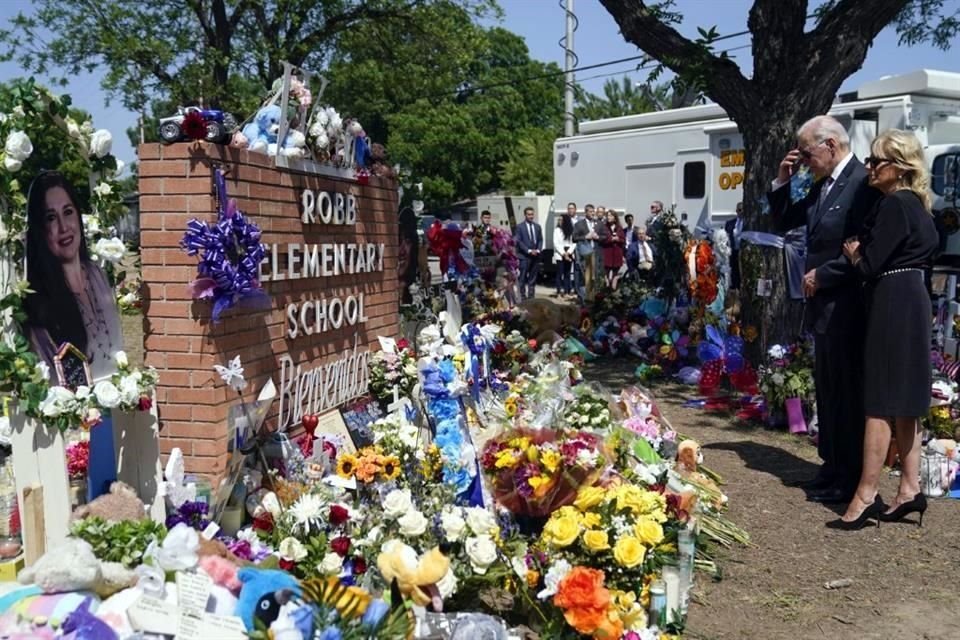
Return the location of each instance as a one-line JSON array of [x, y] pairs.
[[223, 572], [417, 577], [263, 593], [73, 567], [379, 161], [261, 135], [689, 458], [122, 503], [548, 318], [86, 626]]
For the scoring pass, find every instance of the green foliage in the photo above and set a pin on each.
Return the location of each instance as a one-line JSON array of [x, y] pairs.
[[621, 97], [19, 372], [929, 21], [529, 164], [124, 541]]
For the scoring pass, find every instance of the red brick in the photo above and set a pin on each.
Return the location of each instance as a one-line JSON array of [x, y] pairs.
[[187, 185], [155, 168]]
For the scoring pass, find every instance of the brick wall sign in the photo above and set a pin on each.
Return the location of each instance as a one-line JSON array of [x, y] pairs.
[[330, 273]]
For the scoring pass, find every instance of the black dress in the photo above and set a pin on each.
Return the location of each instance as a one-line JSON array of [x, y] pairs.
[[897, 248]]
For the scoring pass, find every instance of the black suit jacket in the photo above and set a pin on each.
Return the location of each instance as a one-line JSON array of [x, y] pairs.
[[837, 305]]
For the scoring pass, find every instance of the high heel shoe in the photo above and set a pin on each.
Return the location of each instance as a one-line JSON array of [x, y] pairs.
[[874, 510], [917, 504]]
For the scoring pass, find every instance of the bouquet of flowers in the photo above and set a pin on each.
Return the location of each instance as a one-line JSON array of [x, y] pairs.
[[512, 352], [78, 459], [788, 373], [590, 410], [535, 472], [128, 296], [389, 369]]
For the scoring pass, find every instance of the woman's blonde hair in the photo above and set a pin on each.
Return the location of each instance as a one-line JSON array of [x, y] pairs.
[[904, 150]]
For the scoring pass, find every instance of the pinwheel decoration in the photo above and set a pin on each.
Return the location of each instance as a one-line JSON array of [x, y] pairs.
[[720, 354], [673, 345]]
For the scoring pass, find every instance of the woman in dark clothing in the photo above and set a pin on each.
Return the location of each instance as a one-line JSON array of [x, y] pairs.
[[895, 250], [612, 243]]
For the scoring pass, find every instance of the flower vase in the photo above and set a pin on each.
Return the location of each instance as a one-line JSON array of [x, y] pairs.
[[78, 492], [531, 525], [795, 417]]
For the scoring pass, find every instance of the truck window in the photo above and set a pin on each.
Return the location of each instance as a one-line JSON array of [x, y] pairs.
[[694, 180], [944, 174]]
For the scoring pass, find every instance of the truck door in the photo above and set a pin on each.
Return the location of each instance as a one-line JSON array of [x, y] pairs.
[[645, 183]]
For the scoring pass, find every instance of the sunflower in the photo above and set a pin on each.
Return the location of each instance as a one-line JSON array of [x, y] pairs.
[[390, 467], [346, 466]]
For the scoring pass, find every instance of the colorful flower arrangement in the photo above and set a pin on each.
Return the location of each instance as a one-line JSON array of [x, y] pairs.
[[535, 472], [230, 254], [788, 373], [396, 369], [590, 411], [703, 276], [129, 300], [78, 459]]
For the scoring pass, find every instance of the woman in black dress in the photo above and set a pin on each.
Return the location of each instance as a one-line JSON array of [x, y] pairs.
[[897, 247]]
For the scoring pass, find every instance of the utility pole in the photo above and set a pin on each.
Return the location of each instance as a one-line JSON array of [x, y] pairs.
[[570, 63]]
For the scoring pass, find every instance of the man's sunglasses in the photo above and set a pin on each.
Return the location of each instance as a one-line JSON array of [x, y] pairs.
[[875, 161]]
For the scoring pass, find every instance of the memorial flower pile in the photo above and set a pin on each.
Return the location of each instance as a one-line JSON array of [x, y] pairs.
[[394, 368], [787, 373]]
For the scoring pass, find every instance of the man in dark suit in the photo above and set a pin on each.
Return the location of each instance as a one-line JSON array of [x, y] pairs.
[[529, 239], [733, 228], [832, 211]]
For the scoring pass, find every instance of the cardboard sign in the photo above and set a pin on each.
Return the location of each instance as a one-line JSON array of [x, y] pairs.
[[332, 424], [154, 616]]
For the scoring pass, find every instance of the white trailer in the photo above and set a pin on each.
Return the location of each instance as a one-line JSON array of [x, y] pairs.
[[693, 157]]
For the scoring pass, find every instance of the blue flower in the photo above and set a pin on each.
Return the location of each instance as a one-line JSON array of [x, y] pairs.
[[444, 409], [432, 382], [330, 633], [447, 371], [457, 477], [373, 616]]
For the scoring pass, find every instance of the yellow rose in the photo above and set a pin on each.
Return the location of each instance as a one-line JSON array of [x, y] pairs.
[[561, 531], [629, 552], [630, 497], [653, 502], [591, 519], [648, 531], [595, 541], [551, 460], [589, 497]]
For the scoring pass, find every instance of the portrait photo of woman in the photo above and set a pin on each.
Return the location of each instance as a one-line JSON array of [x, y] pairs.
[[72, 300]]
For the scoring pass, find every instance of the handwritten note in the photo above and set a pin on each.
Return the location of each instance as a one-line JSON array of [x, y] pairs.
[[154, 616], [222, 627], [194, 591], [189, 626]]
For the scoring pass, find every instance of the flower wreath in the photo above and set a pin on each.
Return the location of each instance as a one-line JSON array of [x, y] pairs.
[[230, 254], [702, 271]]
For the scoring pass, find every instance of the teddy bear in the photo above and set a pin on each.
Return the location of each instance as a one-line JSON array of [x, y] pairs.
[[72, 566], [379, 162], [261, 134], [122, 503], [689, 458], [419, 578], [548, 318]]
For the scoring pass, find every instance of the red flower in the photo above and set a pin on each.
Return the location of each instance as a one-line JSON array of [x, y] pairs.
[[193, 126], [359, 566], [532, 342], [287, 565], [145, 403], [340, 545], [338, 515], [263, 523], [403, 343]]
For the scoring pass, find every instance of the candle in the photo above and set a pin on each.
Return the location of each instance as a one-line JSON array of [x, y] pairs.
[[9, 547], [658, 601], [671, 580]]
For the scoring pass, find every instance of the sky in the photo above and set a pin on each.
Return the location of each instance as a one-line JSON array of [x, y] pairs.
[[541, 23]]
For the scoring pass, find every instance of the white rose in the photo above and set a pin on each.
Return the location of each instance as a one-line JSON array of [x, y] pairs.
[[331, 564], [777, 379], [43, 371], [396, 503], [103, 189], [413, 523], [91, 224], [120, 357], [12, 165], [83, 392], [100, 143], [292, 549], [18, 146], [110, 249], [552, 579], [129, 392], [481, 521], [482, 553], [128, 298], [107, 394], [447, 585], [119, 169], [18, 111], [57, 400], [453, 524]]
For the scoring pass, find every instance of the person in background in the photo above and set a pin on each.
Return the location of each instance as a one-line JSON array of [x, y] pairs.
[[628, 229], [733, 228], [612, 243], [485, 220], [896, 248], [564, 254], [653, 222], [584, 236], [529, 240], [833, 209], [602, 231], [72, 301]]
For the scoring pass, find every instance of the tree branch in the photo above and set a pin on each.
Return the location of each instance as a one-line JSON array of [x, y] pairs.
[[641, 25]]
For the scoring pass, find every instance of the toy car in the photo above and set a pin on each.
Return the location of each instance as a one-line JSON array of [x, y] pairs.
[[220, 125]]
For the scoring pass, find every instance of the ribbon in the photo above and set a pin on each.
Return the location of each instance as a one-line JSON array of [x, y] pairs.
[[762, 239]]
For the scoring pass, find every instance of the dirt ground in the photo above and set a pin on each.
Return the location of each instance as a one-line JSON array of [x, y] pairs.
[[903, 577]]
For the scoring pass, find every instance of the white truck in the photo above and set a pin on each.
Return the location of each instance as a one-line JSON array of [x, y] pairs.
[[693, 157]]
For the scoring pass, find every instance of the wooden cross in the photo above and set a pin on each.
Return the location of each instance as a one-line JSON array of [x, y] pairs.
[[399, 404]]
